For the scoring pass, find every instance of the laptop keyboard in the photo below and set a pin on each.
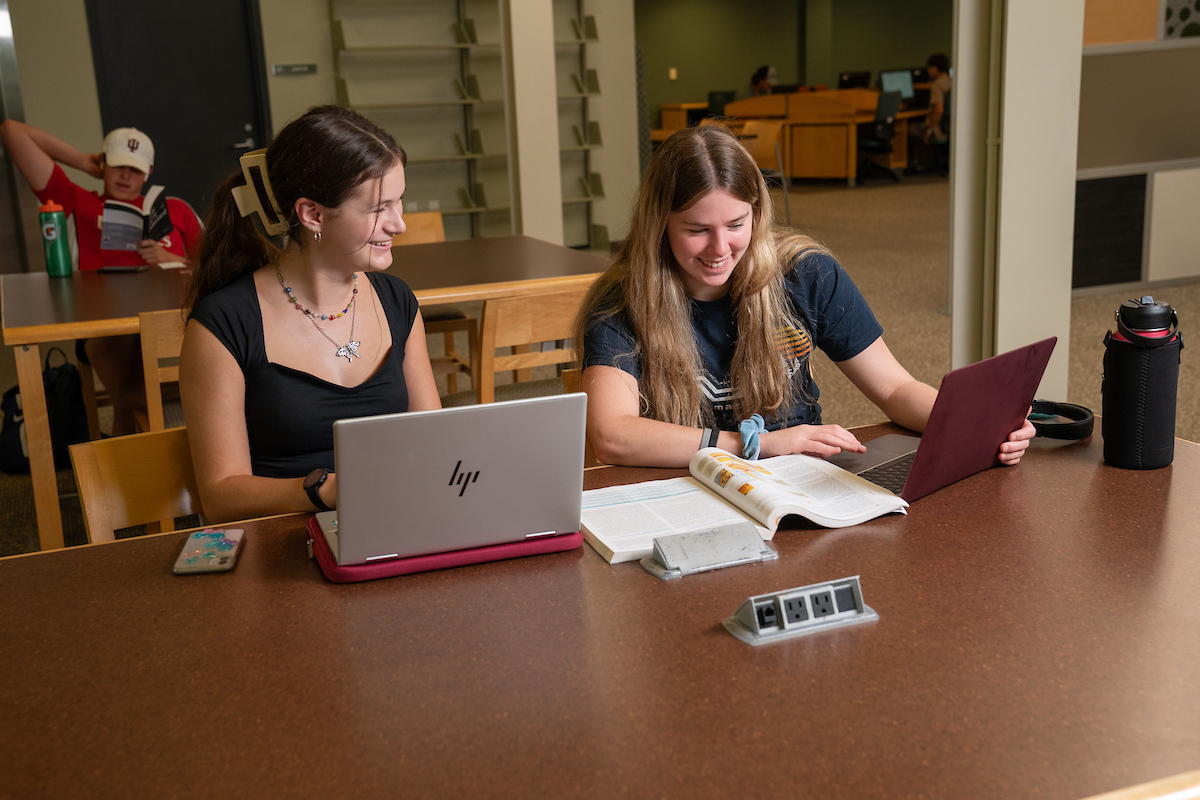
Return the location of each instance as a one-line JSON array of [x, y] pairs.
[[892, 475]]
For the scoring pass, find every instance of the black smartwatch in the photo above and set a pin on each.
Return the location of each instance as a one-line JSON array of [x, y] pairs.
[[313, 483]]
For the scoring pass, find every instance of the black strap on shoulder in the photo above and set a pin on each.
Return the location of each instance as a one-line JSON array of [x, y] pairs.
[[1077, 425]]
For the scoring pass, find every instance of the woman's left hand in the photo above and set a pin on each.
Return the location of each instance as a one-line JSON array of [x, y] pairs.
[[1018, 442]]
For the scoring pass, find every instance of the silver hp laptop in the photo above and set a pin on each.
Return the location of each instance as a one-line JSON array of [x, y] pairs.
[[977, 407], [456, 478]]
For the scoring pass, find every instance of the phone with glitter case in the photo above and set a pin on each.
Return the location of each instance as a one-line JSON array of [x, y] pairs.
[[210, 550]]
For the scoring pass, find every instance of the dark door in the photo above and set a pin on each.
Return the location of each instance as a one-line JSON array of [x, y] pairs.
[[192, 76]]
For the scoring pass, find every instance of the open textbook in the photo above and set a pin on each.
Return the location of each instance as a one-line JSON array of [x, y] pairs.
[[124, 225], [622, 522]]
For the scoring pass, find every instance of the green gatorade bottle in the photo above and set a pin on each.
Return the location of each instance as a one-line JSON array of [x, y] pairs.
[[54, 238]]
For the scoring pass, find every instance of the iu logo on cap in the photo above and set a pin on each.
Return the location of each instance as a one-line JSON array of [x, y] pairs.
[[133, 144], [463, 478]]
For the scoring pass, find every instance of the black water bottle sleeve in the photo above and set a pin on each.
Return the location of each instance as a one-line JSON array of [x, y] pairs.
[[1140, 387]]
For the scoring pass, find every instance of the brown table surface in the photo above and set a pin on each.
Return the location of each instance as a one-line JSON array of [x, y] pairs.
[[38, 308], [482, 269], [1038, 637]]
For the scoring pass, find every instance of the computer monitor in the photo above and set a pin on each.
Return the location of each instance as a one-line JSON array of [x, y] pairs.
[[919, 75], [897, 80], [854, 80]]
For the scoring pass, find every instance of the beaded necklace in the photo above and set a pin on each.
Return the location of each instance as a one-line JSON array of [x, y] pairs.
[[346, 350]]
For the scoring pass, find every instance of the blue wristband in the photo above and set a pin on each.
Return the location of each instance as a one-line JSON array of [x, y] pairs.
[[750, 429]]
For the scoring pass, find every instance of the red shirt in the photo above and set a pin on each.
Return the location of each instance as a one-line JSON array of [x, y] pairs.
[[88, 208]]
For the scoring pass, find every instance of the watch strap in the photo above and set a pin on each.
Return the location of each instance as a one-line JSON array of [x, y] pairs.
[[314, 490]]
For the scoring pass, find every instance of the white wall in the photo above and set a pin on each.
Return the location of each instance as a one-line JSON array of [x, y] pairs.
[[535, 172], [58, 79], [616, 109], [1016, 101], [297, 32], [1174, 235], [1039, 134]]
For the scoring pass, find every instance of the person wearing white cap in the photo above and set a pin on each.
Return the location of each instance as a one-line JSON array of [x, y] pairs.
[[124, 164]]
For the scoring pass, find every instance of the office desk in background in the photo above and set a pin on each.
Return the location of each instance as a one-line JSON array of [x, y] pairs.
[[38, 309], [821, 130], [1037, 637]]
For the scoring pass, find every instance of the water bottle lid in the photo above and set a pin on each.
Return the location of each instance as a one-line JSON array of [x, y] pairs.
[[50, 206], [1146, 314]]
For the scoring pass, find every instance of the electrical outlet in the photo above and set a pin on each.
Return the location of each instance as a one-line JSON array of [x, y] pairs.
[[800, 611], [794, 610], [822, 604]]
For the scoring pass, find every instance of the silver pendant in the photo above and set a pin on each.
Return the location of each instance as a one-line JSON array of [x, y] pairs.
[[347, 350]]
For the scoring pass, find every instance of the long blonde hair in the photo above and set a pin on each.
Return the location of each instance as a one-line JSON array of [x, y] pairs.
[[644, 285]]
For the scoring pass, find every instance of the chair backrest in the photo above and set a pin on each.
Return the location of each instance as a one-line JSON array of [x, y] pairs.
[[135, 480], [421, 227], [542, 320], [162, 340], [761, 138], [718, 100], [888, 107]]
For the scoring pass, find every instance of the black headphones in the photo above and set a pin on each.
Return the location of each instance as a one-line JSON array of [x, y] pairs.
[[1079, 420]]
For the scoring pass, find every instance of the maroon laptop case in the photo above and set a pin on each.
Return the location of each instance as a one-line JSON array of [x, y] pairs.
[[456, 558]]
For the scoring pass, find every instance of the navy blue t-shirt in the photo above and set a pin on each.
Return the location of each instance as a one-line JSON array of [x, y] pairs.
[[828, 304]]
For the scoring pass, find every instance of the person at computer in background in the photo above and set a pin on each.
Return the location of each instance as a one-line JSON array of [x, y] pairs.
[[125, 163], [938, 67], [284, 339], [709, 314], [762, 80]]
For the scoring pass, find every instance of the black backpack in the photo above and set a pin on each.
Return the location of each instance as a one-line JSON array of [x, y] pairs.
[[64, 405]]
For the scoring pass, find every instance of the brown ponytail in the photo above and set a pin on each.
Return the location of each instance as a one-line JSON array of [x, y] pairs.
[[323, 156]]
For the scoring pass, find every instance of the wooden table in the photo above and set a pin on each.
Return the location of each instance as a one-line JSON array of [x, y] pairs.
[[484, 269], [1038, 637], [37, 309]]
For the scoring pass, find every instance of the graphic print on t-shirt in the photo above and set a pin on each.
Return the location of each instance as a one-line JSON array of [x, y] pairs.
[[794, 345]]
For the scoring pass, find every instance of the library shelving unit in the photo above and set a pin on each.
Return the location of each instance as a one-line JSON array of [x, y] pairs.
[[431, 72], [579, 132]]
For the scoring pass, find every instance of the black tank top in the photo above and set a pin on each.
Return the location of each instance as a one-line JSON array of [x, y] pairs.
[[289, 413]]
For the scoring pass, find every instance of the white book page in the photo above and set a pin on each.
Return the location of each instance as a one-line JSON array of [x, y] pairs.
[[764, 488], [629, 518]]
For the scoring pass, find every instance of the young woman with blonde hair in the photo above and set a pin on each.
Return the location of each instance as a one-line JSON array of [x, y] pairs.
[[283, 338], [708, 316]]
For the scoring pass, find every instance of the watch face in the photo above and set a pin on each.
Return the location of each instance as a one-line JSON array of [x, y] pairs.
[[315, 478]]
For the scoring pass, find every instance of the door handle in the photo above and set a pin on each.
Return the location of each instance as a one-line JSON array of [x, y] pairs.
[[246, 145]]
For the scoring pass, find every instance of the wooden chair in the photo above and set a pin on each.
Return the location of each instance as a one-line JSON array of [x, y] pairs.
[[162, 340], [536, 326], [423, 228], [762, 138], [140, 479]]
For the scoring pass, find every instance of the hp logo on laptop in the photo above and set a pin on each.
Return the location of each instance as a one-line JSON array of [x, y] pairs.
[[463, 478]]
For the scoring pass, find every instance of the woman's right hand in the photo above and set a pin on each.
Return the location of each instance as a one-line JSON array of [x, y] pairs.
[[93, 164], [813, 440]]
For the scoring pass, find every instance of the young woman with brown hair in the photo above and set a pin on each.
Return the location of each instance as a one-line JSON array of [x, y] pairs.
[[282, 340], [708, 316]]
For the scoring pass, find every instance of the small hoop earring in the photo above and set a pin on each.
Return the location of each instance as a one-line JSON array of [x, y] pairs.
[[316, 235]]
